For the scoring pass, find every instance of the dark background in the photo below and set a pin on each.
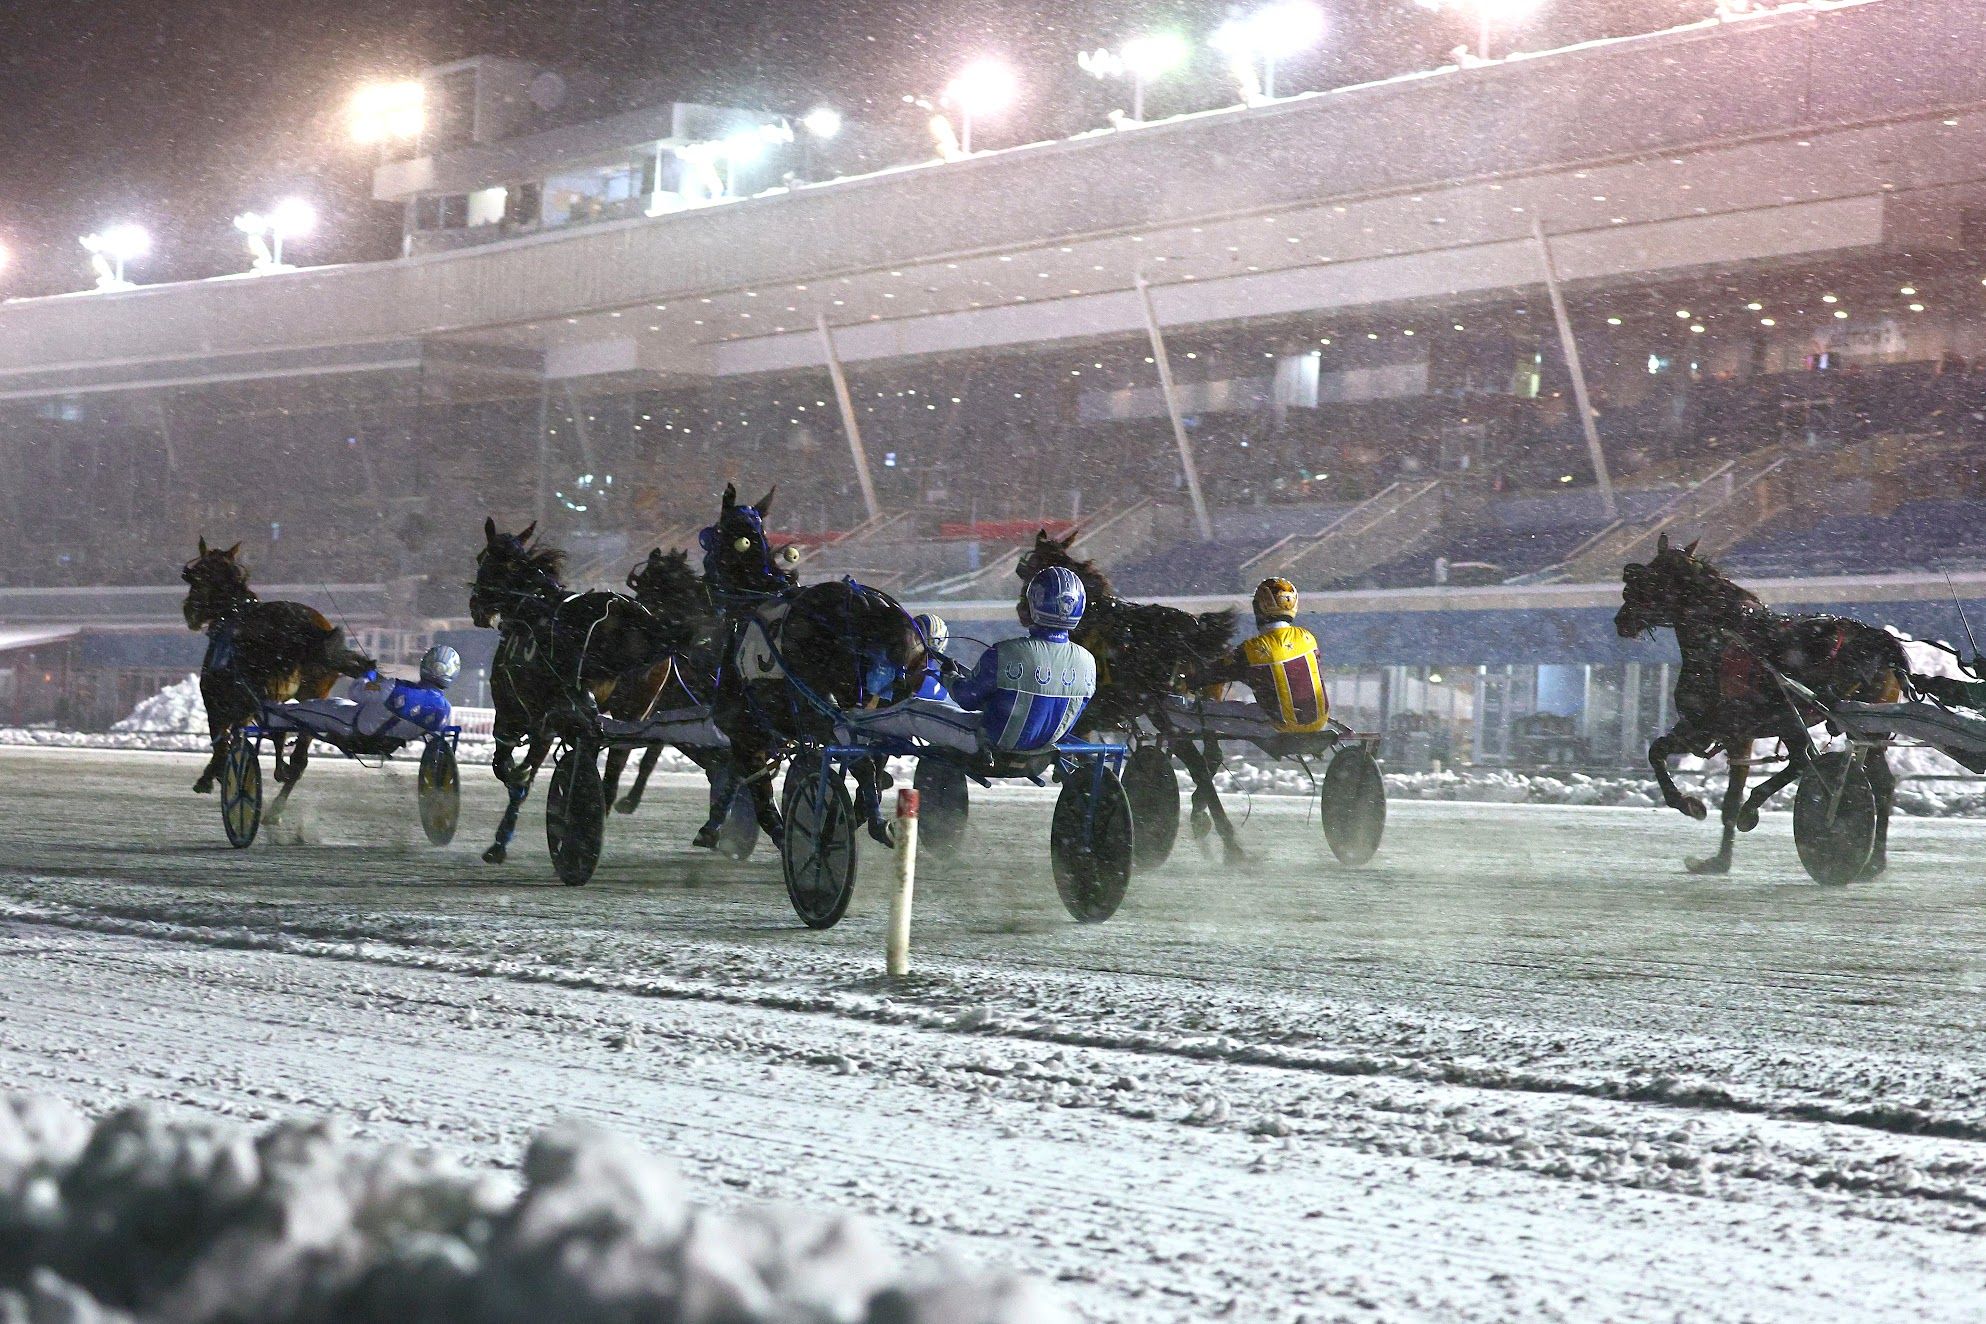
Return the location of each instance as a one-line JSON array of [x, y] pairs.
[[180, 113]]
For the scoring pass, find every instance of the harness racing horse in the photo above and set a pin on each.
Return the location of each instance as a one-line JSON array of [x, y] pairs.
[[258, 651], [673, 592], [558, 657], [1144, 652], [791, 652], [1727, 696]]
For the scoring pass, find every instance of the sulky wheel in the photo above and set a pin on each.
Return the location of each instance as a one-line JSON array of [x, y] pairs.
[[241, 790], [1352, 805], [819, 850], [575, 816], [439, 788], [1152, 786], [944, 801], [1090, 842], [1834, 819]]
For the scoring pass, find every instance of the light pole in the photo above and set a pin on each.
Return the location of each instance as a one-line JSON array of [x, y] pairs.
[[1489, 14], [984, 87], [1285, 28], [110, 248], [289, 219], [1141, 59]]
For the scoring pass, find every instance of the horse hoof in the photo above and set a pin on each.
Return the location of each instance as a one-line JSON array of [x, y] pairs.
[[706, 837], [1716, 864], [495, 854], [1233, 856], [1747, 820], [625, 805], [1877, 866], [204, 786], [1202, 823], [1694, 807], [882, 833]]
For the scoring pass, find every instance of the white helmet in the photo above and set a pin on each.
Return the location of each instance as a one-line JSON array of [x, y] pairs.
[[440, 666], [932, 626]]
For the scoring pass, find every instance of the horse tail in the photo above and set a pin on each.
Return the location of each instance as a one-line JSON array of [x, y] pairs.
[[342, 658], [1212, 631]]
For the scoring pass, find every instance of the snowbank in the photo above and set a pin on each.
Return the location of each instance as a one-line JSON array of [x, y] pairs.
[[178, 709], [147, 1218]]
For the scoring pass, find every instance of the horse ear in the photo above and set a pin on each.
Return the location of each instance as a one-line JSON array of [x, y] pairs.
[[1070, 539], [1691, 549], [730, 496], [232, 552], [524, 534], [203, 544], [764, 503], [489, 530], [1661, 543]]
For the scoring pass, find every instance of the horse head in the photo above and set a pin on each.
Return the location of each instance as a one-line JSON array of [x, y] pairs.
[[216, 583], [1048, 551], [738, 556], [509, 569], [1678, 589], [672, 591]]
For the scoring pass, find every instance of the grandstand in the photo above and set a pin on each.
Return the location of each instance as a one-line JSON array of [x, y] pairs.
[[1773, 254]]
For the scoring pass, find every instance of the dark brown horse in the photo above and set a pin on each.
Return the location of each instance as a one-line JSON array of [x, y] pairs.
[[258, 651], [558, 657], [791, 652], [1144, 653], [1727, 696], [686, 676]]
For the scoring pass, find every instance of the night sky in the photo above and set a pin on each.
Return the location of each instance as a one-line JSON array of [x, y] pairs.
[[181, 113]]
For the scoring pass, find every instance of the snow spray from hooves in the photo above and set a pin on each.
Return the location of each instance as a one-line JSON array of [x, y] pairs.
[[906, 880]]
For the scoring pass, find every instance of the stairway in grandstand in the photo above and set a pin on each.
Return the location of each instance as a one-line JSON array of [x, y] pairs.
[[1720, 508], [1110, 537], [1399, 519]]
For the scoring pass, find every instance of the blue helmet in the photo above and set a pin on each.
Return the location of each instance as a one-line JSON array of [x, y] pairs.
[[440, 666], [1055, 598]]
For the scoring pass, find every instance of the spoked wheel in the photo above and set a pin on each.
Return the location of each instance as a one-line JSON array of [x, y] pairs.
[[439, 788], [739, 836], [819, 851], [1090, 842], [241, 791], [1152, 786], [1352, 805], [1834, 819], [944, 801], [575, 816]]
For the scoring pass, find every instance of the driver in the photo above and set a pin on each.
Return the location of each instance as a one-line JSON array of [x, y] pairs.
[[1280, 665], [940, 672], [1023, 696], [377, 703]]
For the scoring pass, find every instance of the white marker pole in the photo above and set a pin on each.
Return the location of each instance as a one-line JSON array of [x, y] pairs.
[[906, 881]]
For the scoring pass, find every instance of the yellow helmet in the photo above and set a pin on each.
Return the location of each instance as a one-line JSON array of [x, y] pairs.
[[1275, 598]]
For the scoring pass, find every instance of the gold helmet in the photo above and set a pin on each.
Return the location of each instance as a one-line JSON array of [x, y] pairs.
[[1275, 599]]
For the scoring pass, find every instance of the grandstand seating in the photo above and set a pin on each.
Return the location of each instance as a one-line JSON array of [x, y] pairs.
[[1917, 535]]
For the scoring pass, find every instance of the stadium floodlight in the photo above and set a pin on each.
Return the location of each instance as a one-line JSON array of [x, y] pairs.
[[1265, 36], [111, 247], [383, 112], [822, 122], [1141, 59], [1489, 15], [984, 87], [266, 232]]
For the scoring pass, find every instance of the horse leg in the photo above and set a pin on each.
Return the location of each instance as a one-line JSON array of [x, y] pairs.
[[1660, 751], [1205, 796], [1798, 756], [1882, 780], [288, 775], [649, 758], [1734, 798], [869, 799], [504, 765], [610, 775], [220, 732]]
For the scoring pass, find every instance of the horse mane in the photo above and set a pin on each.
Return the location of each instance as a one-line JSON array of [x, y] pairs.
[[1095, 582], [538, 556]]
